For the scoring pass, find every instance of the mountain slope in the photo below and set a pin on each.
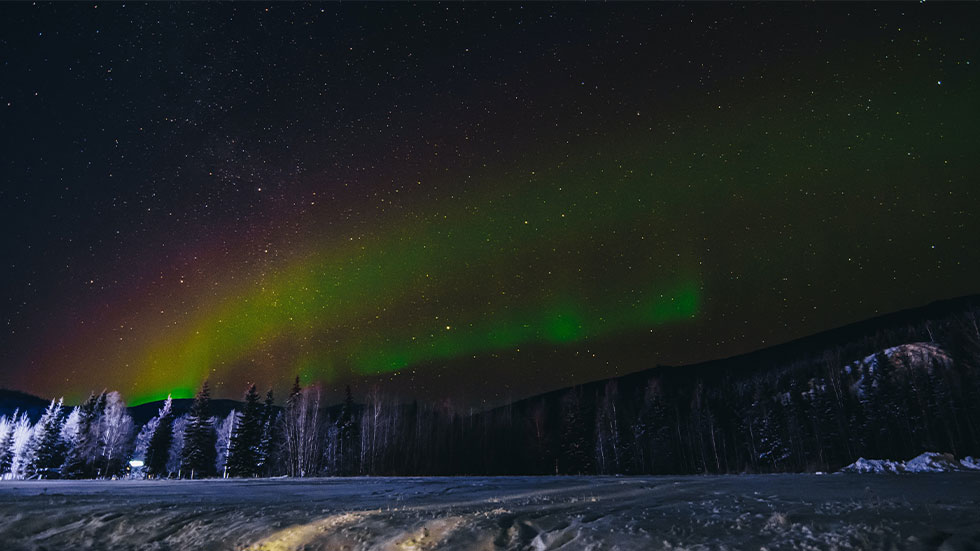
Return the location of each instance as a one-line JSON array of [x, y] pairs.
[[895, 386], [14, 400]]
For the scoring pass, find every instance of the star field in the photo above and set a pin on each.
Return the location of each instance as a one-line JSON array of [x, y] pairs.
[[469, 201]]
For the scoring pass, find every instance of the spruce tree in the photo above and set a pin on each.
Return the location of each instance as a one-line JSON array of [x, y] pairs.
[[246, 442], [158, 450], [575, 457], [269, 441], [199, 452], [7, 449], [46, 449]]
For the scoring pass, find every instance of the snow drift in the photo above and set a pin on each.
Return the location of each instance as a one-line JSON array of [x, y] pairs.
[[928, 462]]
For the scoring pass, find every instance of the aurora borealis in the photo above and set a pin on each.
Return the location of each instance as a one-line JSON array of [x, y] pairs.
[[476, 202]]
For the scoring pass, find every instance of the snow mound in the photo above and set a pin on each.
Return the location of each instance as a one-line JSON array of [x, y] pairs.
[[863, 465], [928, 462], [971, 463]]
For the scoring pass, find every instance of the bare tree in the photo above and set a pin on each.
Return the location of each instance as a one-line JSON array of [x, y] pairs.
[[222, 446], [304, 430]]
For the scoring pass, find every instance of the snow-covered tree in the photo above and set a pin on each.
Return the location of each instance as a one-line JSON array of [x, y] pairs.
[[116, 436], [176, 455], [224, 430], [142, 441], [22, 431], [71, 428], [6, 443], [46, 449], [160, 441], [83, 451]]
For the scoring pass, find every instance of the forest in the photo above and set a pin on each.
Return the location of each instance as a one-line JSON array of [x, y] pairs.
[[891, 389]]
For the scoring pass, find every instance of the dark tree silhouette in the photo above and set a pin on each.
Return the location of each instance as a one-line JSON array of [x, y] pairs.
[[199, 454], [245, 451]]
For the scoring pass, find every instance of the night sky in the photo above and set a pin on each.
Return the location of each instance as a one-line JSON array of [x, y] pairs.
[[473, 202]]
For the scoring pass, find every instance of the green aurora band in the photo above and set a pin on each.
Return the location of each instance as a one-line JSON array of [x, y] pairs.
[[425, 295], [519, 256]]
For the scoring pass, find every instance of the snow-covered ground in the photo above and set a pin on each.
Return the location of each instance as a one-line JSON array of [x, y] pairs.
[[839, 511]]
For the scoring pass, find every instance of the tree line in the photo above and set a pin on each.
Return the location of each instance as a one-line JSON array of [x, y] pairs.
[[891, 394]]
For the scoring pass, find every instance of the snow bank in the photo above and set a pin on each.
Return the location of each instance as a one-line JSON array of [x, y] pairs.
[[928, 462], [863, 465]]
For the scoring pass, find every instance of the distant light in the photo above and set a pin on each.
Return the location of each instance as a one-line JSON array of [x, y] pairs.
[[135, 463]]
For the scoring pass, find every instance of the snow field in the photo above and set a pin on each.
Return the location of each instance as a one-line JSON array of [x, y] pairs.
[[841, 511]]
